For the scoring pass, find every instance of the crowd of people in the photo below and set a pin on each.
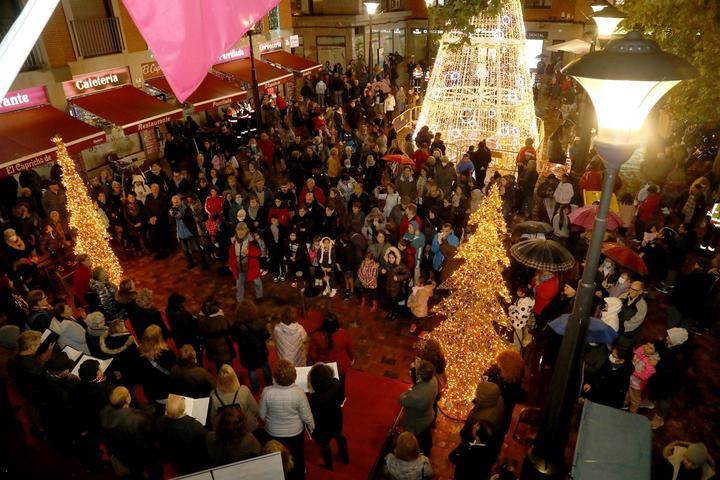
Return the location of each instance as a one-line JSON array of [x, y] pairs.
[[310, 201]]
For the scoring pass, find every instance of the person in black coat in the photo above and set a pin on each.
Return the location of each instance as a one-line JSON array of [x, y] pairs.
[[326, 400], [215, 329], [609, 386], [88, 398], [507, 373], [276, 237], [128, 435], [475, 455], [181, 438], [157, 206], [252, 336], [188, 378], [142, 314], [182, 323], [155, 363], [675, 356]]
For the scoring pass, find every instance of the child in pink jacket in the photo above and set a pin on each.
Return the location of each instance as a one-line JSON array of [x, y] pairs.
[[644, 361]]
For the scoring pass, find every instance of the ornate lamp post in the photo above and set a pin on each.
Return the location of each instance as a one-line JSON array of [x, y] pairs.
[[624, 82], [371, 10], [598, 5], [607, 21]]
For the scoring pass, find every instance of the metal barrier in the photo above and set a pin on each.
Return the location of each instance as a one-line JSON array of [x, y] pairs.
[[97, 36]]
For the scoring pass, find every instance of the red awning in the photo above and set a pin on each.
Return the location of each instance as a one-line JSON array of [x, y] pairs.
[[212, 92], [129, 108], [267, 75], [291, 62], [25, 137]]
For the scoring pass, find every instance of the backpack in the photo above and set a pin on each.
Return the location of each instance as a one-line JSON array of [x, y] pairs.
[[223, 405]]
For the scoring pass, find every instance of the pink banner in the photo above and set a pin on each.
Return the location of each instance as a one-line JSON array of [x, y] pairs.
[[187, 36], [26, 98]]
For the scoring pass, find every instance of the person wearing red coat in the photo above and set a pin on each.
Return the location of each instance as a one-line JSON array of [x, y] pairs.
[[407, 253], [244, 262], [646, 210], [214, 210], [279, 210], [81, 279], [546, 286], [311, 187], [592, 179], [329, 344]]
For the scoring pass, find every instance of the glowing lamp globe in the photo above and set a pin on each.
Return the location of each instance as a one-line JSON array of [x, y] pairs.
[[624, 82], [372, 7], [598, 5], [607, 21]]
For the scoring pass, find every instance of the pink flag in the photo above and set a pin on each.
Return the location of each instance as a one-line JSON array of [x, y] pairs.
[[188, 36]]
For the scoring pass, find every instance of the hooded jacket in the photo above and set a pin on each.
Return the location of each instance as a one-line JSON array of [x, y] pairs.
[[610, 317], [489, 405], [397, 273], [289, 342], [215, 330]]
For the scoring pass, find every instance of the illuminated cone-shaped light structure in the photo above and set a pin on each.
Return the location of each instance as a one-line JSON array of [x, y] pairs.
[[92, 237], [483, 89], [467, 334]]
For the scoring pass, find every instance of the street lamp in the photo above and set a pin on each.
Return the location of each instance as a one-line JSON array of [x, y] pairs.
[[607, 21], [598, 5], [255, 87], [371, 9], [624, 82]]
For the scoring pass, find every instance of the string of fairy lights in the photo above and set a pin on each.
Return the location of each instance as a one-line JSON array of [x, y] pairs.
[[92, 236], [482, 89], [467, 334]]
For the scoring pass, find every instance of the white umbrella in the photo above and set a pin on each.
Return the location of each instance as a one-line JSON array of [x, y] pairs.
[[578, 47]]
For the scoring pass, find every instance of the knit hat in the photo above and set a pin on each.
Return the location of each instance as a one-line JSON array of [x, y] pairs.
[[487, 395], [677, 336], [696, 453], [9, 335]]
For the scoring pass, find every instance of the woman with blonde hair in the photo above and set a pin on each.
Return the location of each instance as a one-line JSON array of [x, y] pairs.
[[406, 462], [229, 393], [156, 361]]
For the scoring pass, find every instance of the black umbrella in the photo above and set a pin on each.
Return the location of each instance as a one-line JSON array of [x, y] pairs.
[[532, 227], [542, 254]]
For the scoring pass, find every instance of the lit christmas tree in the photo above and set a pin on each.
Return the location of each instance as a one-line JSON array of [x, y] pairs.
[[467, 334], [482, 89], [92, 237]]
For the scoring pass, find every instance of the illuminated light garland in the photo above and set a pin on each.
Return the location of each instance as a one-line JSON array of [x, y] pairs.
[[92, 237], [467, 334], [493, 78]]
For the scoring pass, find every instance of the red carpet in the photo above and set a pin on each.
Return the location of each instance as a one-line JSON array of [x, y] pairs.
[[369, 412]]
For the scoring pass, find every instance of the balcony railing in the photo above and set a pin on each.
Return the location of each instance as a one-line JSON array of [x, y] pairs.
[[97, 36], [35, 60]]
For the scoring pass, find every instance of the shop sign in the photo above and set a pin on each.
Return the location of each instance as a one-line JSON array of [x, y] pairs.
[[271, 46], [155, 123], [25, 98], [293, 41], [96, 82], [234, 54], [536, 35], [151, 70]]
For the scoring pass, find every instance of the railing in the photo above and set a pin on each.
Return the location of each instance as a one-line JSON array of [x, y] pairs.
[[34, 60], [97, 36]]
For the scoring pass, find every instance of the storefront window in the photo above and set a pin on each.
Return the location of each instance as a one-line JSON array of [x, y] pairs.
[[274, 19], [399, 42]]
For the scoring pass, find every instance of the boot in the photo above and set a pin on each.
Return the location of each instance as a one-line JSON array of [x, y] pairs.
[[327, 455], [343, 450]]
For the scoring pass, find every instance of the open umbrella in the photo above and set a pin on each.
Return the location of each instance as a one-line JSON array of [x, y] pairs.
[[531, 227], [542, 254], [598, 332], [401, 159], [585, 217], [625, 257]]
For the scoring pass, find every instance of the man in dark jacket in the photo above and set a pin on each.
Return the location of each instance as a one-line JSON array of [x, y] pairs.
[[481, 159], [128, 434], [181, 438], [418, 402], [156, 207], [88, 398]]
